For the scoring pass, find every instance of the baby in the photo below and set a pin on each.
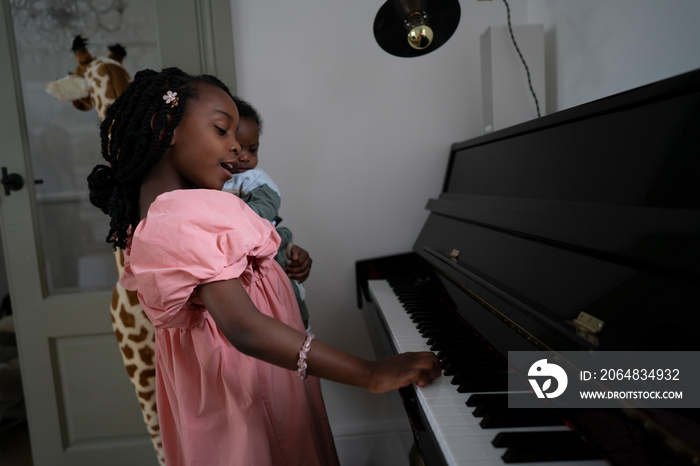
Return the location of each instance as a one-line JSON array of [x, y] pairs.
[[258, 190]]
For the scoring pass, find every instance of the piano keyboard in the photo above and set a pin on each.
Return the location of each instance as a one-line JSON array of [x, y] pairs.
[[463, 437]]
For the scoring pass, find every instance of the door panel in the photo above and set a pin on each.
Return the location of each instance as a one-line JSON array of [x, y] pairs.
[[83, 366], [81, 408]]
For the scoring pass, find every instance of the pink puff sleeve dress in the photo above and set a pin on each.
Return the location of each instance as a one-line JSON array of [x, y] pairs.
[[217, 406]]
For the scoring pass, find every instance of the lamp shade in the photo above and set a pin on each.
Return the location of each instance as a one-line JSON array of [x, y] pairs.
[[409, 28]]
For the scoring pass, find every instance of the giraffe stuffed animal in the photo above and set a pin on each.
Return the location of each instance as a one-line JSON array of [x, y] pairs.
[[96, 83], [136, 337]]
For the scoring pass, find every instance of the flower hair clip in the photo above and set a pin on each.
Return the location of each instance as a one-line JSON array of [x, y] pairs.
[[171, 98]]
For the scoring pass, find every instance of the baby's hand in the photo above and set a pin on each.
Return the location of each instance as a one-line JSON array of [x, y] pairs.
[[299, 264], [404, 369]]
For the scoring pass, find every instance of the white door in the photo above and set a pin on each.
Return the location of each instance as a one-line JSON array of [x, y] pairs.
[[80, 405]]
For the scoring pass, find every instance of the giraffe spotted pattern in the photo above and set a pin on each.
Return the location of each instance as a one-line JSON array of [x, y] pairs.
[[136, 337]]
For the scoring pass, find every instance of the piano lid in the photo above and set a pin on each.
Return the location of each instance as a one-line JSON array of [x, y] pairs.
[[582, 228]]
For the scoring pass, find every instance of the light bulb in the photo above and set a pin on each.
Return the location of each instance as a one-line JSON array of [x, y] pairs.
[[420, 37]]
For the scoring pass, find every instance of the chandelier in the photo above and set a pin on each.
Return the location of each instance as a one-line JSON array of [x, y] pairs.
[[54, 23]]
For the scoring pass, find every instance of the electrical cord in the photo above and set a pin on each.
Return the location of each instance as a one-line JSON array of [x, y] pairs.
[[527, 70]]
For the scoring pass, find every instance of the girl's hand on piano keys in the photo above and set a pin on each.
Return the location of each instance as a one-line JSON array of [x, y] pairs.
[[404, 369]]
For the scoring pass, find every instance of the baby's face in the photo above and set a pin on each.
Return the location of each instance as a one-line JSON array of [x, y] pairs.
[[248, 137]]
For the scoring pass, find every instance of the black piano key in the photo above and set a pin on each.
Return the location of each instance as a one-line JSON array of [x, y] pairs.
[[429, 313], [480, 386], [435, 319], [530, 454], [447, 334], [449, 330], [475, 355], [427, 310], [500, 378], [433, 336], [455, 368], [460, 375], [491, 398], [444, 345], [453, 339], [481, 411], [467, 344], [426, 305], [431, 325], [550, 439], [497, 378], [498, 381], [467, 370], [521, 417]]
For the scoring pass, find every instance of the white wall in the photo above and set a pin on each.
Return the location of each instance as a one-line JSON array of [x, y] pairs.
[[598, 48], [358, 140]]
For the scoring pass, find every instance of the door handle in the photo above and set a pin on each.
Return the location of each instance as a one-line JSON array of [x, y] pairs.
[[11, 182]]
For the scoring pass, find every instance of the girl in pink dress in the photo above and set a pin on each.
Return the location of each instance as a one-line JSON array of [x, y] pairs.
[[232, 357]]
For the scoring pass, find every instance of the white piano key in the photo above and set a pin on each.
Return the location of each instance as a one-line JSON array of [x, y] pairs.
[[442, 388], [458, 433]]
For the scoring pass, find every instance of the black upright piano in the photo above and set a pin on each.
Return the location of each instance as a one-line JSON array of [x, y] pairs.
[[577, 231]]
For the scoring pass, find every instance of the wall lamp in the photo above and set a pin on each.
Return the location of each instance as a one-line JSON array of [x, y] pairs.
[[409, 28]]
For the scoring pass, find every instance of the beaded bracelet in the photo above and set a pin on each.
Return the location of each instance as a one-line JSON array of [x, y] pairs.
[[303, 355]]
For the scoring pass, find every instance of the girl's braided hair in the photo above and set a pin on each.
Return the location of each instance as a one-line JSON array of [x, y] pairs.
[[132, 147]]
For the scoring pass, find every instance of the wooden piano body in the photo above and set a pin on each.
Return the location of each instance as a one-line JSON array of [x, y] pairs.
[[594, 209]]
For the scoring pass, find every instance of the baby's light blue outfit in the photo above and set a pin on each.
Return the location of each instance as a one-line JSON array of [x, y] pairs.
[[257, 189]]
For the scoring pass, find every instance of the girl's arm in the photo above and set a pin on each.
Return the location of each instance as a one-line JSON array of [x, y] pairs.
[[268, 339]]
